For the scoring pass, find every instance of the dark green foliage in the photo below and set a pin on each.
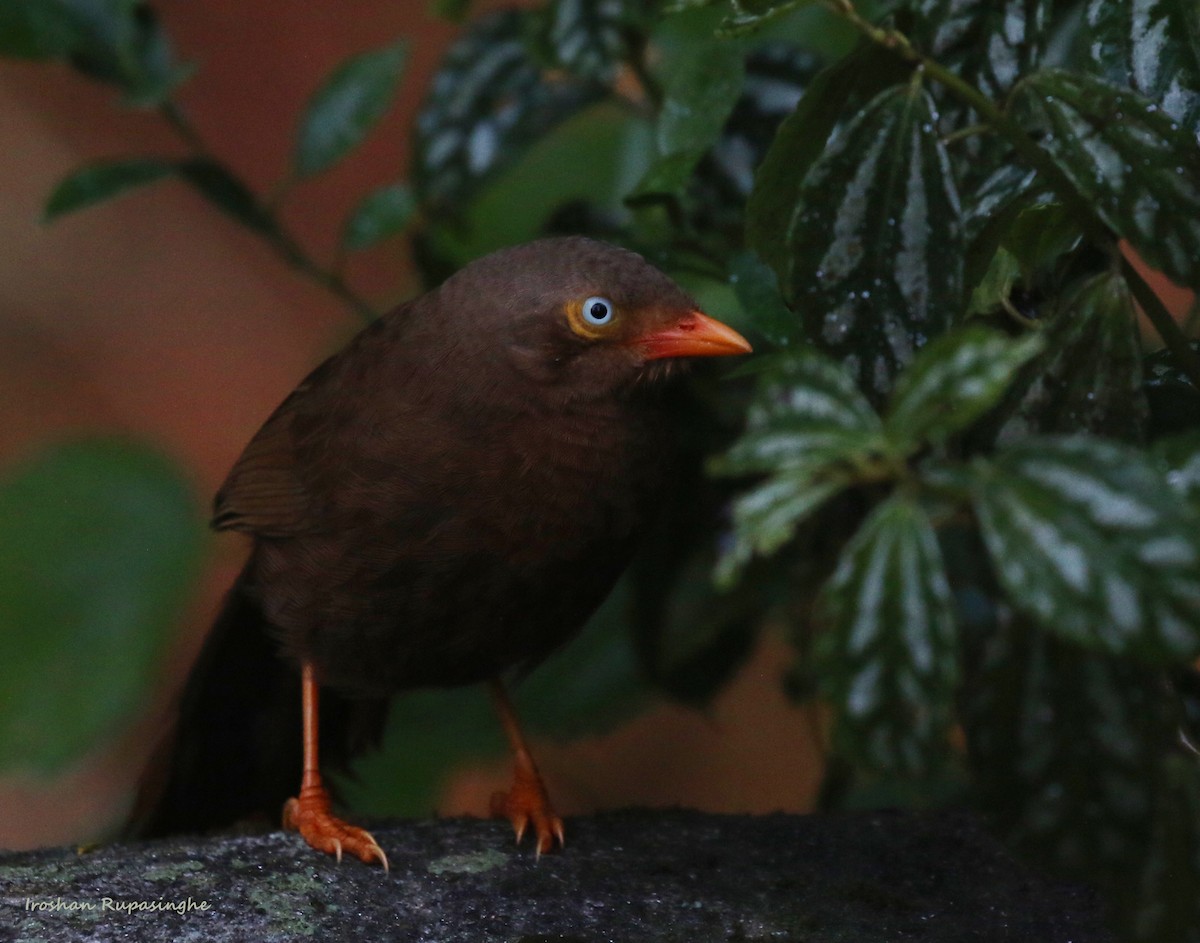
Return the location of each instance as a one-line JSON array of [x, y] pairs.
[[959, 478]]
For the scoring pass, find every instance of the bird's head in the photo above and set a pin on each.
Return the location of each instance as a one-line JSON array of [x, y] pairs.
[[583, 315]]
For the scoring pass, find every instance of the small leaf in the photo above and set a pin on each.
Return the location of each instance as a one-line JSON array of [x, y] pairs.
[[699, 95], [1089, 379], [749, 15], [383, 213], [99, 541], [995, 288], [1179, 459], [888, 659], [1133, 163], [347, 106], [952, 382], [453, 10], [1087, 537], [95, 183], [590, 37], [876, 241]]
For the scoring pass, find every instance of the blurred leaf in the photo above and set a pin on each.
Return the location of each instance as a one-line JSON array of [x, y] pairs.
[[487, 103], [382, 213], [888, 658], [1040, 235], [749, 15], [95, 183], [801, 139], [1087, 537], [590, 37], [453, 10], [813, 431], [99, 542], [1072, 751], [876, 240], [347, 106], [216, 184], [122, 43], [1090, 377], [700, 94], [952, 382], [1137, 167], [996, 286], [666, 177], [36, 29], [1179, 459], [1153, 48], [758, 293]]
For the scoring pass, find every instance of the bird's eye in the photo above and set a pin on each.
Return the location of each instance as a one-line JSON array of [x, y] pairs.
[[597, 311]]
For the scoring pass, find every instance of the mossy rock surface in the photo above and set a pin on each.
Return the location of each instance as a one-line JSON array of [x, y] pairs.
[[626, 876]]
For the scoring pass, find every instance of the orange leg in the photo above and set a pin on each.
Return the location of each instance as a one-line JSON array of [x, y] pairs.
[[527, 802], [309, 813]]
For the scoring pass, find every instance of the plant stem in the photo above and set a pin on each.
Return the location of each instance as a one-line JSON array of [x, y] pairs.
[[273, 231], [1166, 326]]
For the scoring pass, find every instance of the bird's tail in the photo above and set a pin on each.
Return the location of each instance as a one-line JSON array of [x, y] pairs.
[[234, 753]]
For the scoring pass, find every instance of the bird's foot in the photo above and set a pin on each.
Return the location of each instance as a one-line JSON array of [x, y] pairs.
[[528, 804], [309, 815]]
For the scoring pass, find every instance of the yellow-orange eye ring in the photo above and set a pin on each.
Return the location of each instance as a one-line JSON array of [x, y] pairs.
[[592, 316]]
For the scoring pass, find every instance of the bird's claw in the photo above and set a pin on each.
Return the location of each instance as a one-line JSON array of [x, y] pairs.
[[309, 814], [528, 804]]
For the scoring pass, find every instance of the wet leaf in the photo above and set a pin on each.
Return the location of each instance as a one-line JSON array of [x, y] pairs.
[[876, 241], [103, 180], [347, 106], [1090, 377], [1086, 536], [829, 96], [99, 542], [1133, 163], [382, 213], [952, 382], [888, 658], [488, 102], [1151, 47]]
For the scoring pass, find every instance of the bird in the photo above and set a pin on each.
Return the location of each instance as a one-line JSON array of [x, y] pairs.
[[443, 502]]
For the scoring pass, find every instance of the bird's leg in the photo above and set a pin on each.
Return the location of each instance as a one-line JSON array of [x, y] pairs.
[[309, 813], [527, 802]]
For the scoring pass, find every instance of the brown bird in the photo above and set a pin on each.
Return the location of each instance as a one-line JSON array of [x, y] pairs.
[[449, 497]]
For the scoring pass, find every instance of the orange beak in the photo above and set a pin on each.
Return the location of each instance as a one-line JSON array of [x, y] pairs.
[[693, 335]]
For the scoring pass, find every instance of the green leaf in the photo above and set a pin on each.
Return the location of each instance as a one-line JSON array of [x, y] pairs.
[[103, 180], [757, 291], [1076, 755], [220, 187], [952, 382], [888, 659], [1040, 235], [801, 139], [590, 37], [1153, 48], [383, 213], [453, 10], [1087, 537], [996, 286], [36, 29], [122, 43], [1173, 400], [347, 106], [1133, 163], [99, 543], [487, 103], [876, 241], [1090, 377], [811, 430], [699, 95]]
